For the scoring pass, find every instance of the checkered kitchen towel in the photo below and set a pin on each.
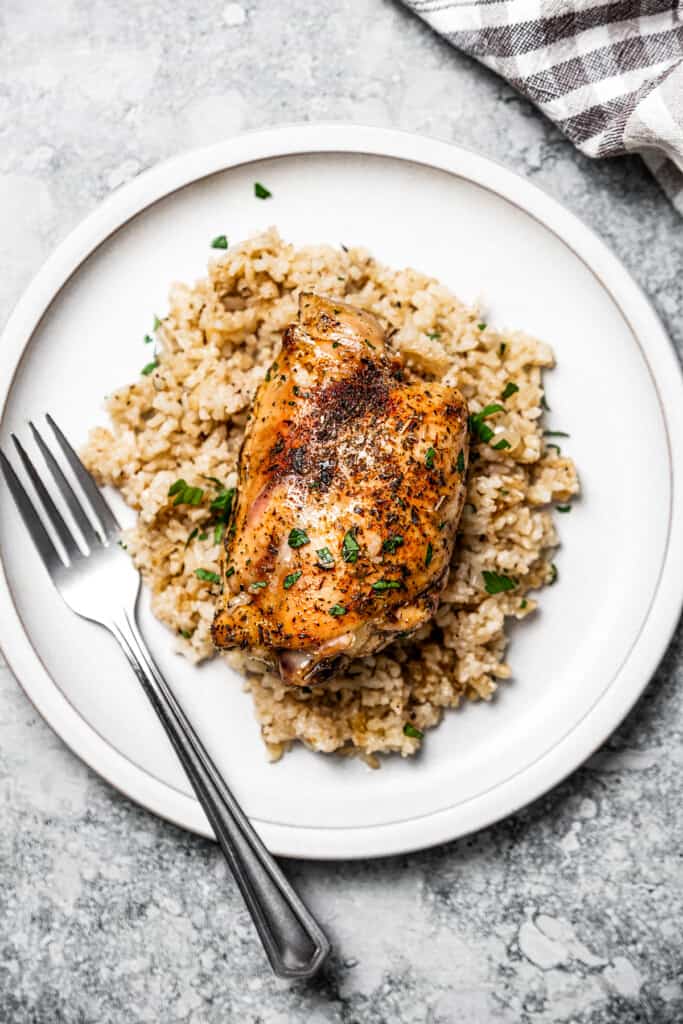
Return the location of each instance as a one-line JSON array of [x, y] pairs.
[[609, 74]]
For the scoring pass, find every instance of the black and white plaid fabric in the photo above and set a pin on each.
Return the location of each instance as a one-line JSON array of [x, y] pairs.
[[609, 73]]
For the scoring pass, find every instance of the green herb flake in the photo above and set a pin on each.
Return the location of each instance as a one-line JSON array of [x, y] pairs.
[[481, 327], [441, 525], [148, 339], [213, 480], [429, 458], [555, 433], [223, 502], [410, 730], [350, 547], [433, 335], [260, 191], [501, 349], [501, 445], [187, 633], [477, 425], [523, 603], [460, 464], [150, 368], [369, 344], [381, 585], [157, 322], [336, 344], [219, 242], [290, 580], [297, 538], [510, 389], [392, 543], [207, 576], [544, 404], [498, 583], [337, 609], [429, 555], [192, 536], [183, 494], [218, 531], [257, 585], [556, 447], [553, 574], [325, 558], [563, 508], [230, 572], [203, 536]]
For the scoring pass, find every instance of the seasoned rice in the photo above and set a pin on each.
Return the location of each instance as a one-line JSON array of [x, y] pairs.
[[186, 419]]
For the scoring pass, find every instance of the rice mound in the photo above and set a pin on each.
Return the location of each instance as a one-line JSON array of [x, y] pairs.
[[186, 417]]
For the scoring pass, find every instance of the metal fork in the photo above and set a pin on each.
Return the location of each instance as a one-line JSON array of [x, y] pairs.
[[103, 586]]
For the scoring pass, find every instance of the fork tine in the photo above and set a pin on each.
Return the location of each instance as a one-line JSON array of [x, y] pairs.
[[92, 538], [53, 513], [98, 502], [39, 534]]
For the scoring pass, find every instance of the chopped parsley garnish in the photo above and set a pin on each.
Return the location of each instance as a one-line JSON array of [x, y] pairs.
[[523, 604], [291, 579], [553, 573], [563, 508], [556, 447], [260, 191], [192, 536], [410, 730], [441, 525], [219, 242], [184, 494], [350, 547], [382, 585], [460, 464], [429, 458], [391, 543], [208, 577], [150, 368], [157, 322], [501, 349], [510, 389], [434, 335], [481, 327], [203, 535], [501, 445], [337, 609], [498, 583], [258, 585], [544, 404], [187, 633], [555, 433], [369, 344], [213, 480], [325, 558], [477, 425], [148, 339], [223, 502], [297, 538], [218, 531], [230, 572], [429, 555]]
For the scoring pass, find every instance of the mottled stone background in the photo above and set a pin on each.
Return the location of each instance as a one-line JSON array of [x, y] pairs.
[[569, 912]]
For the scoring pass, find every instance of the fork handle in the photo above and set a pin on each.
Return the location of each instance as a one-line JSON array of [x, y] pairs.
[[295, 944]]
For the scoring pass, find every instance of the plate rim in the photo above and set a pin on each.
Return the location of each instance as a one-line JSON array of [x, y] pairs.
[[644, 656]]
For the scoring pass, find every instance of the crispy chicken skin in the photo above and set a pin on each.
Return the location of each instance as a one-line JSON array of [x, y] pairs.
[[351, 484]]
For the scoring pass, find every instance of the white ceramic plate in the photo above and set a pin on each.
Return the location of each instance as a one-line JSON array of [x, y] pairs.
[[586, 656]]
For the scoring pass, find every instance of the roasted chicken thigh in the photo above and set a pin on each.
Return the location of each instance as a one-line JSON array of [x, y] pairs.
[[351, 484]]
